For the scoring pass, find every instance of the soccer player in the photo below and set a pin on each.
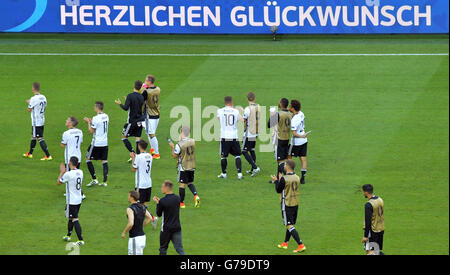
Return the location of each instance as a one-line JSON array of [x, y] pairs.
[[71, 141], [299, 140], [169, 208], [151, 94], [229, 143], [36, 106], [133, 128], [184, 151], [281, 122], [142, 166], [373, 222], [251, 121], [98, 150], [288, 187], [73, 179], [138, 217]]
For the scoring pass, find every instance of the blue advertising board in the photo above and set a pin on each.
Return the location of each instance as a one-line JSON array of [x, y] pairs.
[[225, 16]]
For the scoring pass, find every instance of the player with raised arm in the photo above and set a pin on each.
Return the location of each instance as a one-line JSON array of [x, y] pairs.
[[288, 187], [281, 123], [133, 127], [73, 178], [98, 149], [184, 151], [299, 140], [142, 166], [138, 217], [229, 143], [251, 121], [151, 94], [36, 106]]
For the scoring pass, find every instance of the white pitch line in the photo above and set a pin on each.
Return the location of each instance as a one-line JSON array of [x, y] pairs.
[[223, 54]]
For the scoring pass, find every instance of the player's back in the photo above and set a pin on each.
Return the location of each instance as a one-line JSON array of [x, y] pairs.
[[153, 95], [251, 114], [143, 166], [298, 125], [228, 117], [284, 125], [136, 102], [291, 189], [74, 180], [72, 138], [38, 104], [186, 159], [100, 123]]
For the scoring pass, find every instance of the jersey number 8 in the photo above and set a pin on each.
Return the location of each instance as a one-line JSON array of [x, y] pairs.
[[78, 186]]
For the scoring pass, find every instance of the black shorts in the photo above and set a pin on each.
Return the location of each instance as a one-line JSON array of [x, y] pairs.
[[298, 150], [97, 153], [282, 149], [72, 211], [145, 194], [132, 129], [37, 131], [289, 215], [186, 176], [374, 239], [230, 147], [248, 144]]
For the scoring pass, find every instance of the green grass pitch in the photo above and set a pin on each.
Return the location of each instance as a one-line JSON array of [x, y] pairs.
[[382, 120]]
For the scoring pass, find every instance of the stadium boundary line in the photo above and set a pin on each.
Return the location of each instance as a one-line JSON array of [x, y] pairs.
[[224, 54]]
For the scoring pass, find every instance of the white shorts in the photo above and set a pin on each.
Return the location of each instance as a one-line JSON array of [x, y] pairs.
[[152, 124], [136, 245]]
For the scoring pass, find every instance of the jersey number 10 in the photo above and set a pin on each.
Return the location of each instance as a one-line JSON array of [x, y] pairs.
[[229, 120]]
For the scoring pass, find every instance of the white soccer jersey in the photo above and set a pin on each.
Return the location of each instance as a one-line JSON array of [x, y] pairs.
[[72, 138], [228, 117], [37, 104], [298, 125], [100, 123], [73, 180], [143, 166]]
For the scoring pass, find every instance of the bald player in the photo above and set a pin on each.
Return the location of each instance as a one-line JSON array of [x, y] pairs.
[[184, 151]]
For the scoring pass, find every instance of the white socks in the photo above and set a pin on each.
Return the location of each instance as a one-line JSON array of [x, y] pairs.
[[154, 144]]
